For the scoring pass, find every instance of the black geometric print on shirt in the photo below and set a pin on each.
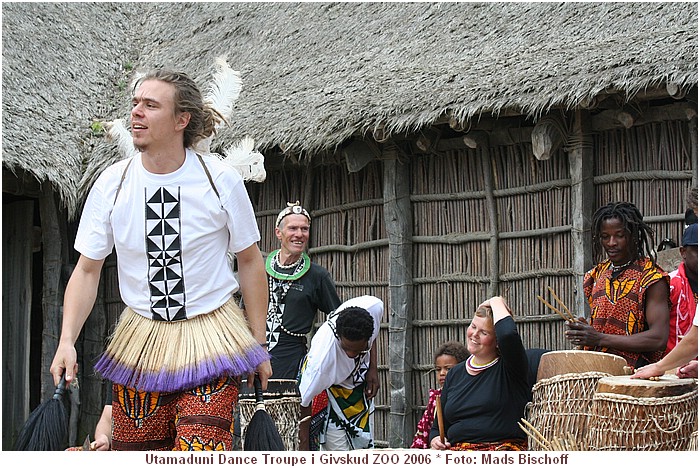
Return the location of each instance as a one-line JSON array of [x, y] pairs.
[[163, 248]]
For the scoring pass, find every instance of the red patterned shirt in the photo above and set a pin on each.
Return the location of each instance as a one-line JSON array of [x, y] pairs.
[[617, 304], [421, 439], [683, 303]]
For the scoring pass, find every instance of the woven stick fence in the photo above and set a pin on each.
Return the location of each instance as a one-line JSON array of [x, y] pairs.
[[650, 166]]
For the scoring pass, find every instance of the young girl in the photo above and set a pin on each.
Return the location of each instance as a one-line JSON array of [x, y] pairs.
[[447, 356]]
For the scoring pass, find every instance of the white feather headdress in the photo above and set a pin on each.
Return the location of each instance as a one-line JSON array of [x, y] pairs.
[[221, 95], [225, 88], [118, 133], [243, 157]]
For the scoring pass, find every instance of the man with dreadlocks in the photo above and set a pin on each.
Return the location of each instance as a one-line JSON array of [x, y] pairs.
[[627, 292], [182, 342], [337, 364]]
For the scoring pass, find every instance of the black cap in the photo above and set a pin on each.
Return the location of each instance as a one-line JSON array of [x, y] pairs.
[[690, 236]]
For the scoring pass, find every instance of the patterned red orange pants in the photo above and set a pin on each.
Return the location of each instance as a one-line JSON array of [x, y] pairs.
[[196, 419], [504, 445]]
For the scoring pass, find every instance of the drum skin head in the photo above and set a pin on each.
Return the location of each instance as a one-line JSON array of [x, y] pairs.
[[666, 386], [576, 361]]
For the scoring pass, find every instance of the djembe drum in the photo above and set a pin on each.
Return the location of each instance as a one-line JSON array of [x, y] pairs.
[[563, 394], [561, 405], [282, 402], [638, 414]]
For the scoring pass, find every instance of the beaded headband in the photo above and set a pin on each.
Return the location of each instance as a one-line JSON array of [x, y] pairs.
[[292, 208]]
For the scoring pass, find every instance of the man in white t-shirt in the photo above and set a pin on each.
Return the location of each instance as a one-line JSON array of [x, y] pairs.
[[172, 215], [337, 364]]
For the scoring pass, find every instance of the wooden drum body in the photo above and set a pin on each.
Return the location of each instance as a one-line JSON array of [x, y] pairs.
[[561, 405], [637, 414], [282, 403]]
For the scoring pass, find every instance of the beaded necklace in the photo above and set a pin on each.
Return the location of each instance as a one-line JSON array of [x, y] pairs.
[[291, 333], [617, 268], [480, 367], [278, 286], [279, 264], [299, 268]]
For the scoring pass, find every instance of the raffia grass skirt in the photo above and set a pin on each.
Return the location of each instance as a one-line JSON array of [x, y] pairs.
[[158, 356]]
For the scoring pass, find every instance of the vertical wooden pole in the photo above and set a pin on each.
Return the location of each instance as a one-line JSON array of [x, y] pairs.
[[54, 237], [693, 126], [582, 198], [307, 195], [398, 216], [492, 209]]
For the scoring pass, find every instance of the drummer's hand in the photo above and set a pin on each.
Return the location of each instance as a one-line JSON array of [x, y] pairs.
[[264, 371], [651, 370], [435, 444], [581, 333], [65, 360], [689, 371]]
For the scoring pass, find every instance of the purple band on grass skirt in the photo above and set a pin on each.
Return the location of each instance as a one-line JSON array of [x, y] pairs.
[[181, 379]]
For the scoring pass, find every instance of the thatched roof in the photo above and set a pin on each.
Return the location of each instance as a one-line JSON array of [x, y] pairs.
[[316, 74], [60, 70]]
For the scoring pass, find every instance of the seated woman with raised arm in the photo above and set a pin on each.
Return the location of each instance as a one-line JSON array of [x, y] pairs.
[[484, 398]]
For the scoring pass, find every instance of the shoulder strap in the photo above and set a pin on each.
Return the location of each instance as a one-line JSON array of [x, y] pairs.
[[121, 181], [201, 160], [211, 181]]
